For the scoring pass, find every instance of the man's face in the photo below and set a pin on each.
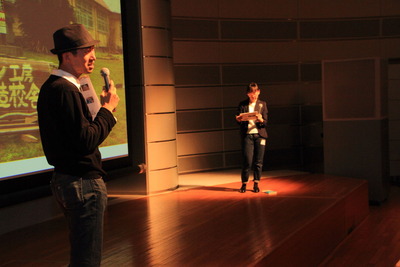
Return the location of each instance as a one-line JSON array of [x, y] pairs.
[[253, 96], [83, 61]]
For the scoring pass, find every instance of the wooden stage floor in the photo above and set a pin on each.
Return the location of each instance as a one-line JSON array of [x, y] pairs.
[[212, 225]]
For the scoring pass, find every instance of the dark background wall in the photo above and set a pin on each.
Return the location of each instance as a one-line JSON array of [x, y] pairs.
[[221, 45]]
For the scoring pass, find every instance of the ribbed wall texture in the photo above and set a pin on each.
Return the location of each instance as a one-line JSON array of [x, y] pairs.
[[159, 96], [219, 46]]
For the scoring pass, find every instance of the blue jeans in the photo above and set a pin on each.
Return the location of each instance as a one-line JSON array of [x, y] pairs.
[[253, 147], [83, 202]]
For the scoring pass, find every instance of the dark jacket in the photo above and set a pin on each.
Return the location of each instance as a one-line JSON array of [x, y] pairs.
[[70, 137], [261, 107]]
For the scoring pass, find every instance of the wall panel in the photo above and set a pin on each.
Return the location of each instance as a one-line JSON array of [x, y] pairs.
[[234, 52], [395, 168], [312, 51], [199, 52], [310, 93], [394, 109], [159, 179], [229, 118], [232, 95], [237, 30], [284, 115], [395, 154], [156, 13], [158, 71], [311, 114], [160, 99], [391, 27], [260, 73], [354, 82], [200, 143], [394, 128], [196, 75], [198, 97], [286, 158], [390, 8], [281, 94], [232, 140], [161, 155], [258, 51], [199, 120], [200, 162], [338, 9], [232, 159], [194, 8], [161, 127], [339, 29], [257, 9], [157, 41], [283, 136], [312, 134], [390, 48], [393, 75], [195, 29], [310, 72]]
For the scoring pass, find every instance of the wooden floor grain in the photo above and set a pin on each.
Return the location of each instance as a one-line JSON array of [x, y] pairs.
[[217, 226]]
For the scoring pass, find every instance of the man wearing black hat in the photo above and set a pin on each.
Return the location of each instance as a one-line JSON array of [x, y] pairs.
[[70, 139]]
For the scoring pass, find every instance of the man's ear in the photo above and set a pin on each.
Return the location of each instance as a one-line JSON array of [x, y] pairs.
[[67, 56]]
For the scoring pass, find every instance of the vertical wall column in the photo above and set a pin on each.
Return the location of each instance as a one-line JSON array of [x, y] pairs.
[[159, 96]]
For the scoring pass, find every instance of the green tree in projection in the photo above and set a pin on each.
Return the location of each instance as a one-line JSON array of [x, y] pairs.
[[40, 18]]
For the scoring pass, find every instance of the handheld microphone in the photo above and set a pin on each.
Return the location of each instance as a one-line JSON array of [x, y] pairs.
[[106, 75]]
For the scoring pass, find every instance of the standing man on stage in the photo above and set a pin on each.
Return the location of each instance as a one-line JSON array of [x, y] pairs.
[[252, 116], [71, 137]]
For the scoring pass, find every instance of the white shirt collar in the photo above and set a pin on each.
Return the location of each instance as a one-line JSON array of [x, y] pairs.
[[68, 76]]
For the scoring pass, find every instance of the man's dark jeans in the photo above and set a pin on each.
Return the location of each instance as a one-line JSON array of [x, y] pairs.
[[253, 147], [83, 202]]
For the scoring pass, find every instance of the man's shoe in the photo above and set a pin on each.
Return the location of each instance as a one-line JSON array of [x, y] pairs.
[[256, 189], [243, 188]]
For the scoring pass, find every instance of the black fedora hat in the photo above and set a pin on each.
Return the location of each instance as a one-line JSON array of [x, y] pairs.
[[72, 37]]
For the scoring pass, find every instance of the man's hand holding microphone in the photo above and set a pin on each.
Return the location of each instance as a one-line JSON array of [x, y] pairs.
[[108, 97]]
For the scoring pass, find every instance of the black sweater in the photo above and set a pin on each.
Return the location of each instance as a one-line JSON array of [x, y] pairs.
[[70, 137]]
